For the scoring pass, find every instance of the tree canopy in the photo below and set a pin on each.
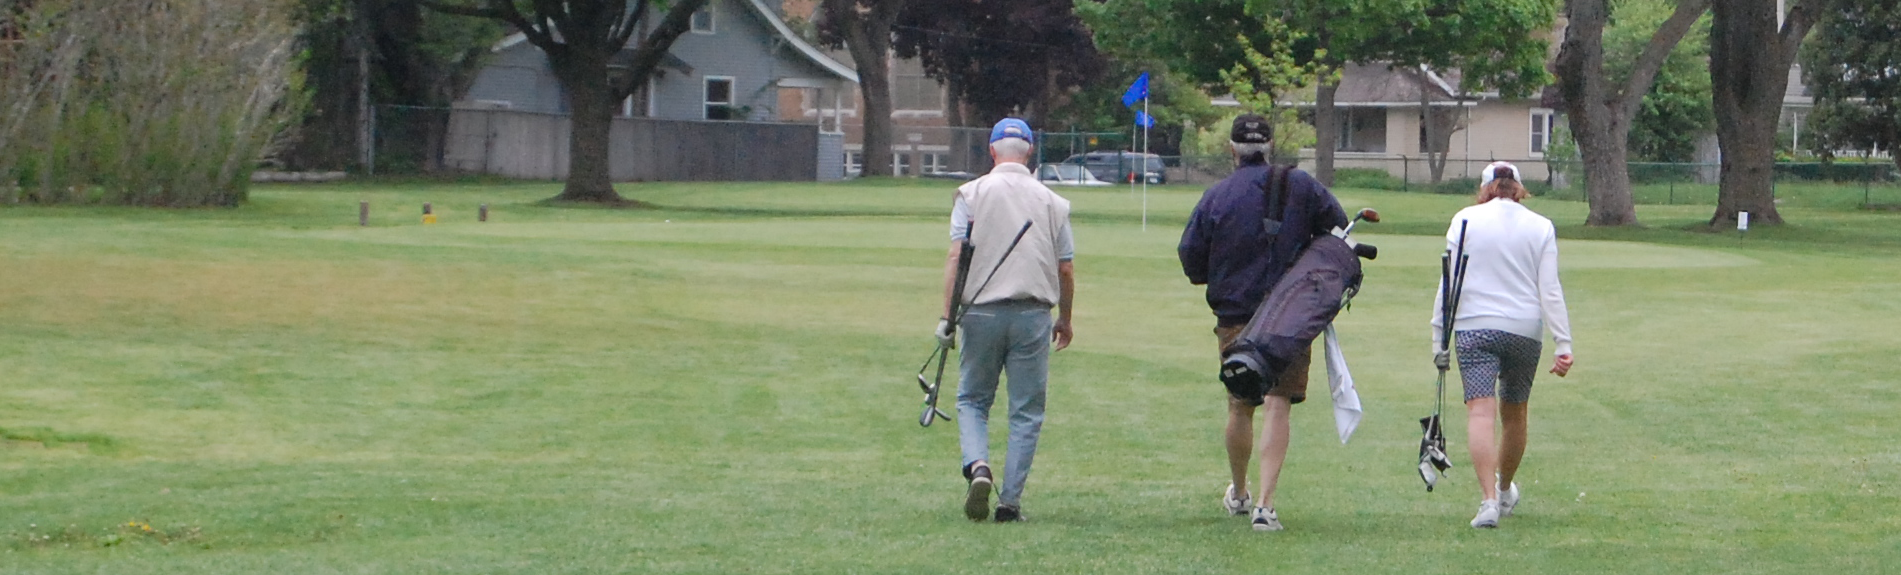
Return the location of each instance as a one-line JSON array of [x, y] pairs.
[[1023, 57], [1853, 65]]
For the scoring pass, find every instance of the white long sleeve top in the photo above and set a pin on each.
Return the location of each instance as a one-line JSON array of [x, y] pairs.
[[1511, 281]]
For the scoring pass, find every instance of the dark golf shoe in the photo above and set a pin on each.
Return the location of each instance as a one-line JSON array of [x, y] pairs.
[[977, 497], [1008, 514]]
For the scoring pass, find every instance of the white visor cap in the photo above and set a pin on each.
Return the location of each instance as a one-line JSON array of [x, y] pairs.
[[1494, 166]]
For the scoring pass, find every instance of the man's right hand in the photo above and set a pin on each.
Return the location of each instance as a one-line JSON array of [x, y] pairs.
[[944, 336]]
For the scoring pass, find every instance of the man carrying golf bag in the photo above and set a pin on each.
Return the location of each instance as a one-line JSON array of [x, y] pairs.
[[1020, 265], [1242, 238]]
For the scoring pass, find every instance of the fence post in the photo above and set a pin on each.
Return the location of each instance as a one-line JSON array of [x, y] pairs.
[[363, 213]]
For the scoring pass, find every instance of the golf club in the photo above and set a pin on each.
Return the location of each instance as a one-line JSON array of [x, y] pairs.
[[1366, 251], [1432, 447], [934, 388]]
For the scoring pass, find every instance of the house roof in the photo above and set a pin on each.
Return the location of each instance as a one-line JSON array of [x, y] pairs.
[[806, 48], [1379, 84], [773, 21]]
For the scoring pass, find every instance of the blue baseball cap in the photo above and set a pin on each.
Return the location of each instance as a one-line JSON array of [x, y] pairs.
[[1012, 128]]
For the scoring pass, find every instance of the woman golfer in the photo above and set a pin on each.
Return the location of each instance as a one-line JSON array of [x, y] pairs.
[[1511, 296]]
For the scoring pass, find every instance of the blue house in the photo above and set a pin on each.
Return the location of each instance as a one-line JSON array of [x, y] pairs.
[[733, 65]]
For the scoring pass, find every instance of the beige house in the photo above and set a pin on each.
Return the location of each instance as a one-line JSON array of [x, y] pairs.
[[1380, 111]]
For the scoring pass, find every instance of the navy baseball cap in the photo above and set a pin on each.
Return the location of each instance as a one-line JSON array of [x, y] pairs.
[[1251, 129], [1012, 128]]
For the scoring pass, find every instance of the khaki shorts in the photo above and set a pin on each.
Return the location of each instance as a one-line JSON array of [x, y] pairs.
[[1293, 383]]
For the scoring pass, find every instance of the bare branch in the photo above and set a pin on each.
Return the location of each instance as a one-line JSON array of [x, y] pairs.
[[1656, 52], [628, 22], [1802, 17], [647, 56]]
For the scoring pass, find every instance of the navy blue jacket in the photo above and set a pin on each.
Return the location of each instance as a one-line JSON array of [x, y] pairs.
[[1227, 248]]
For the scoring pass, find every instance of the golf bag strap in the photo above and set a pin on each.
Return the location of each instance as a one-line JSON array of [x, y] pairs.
[[1274, 193]]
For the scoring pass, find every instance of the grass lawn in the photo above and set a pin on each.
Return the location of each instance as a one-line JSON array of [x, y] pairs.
[[722, 385]]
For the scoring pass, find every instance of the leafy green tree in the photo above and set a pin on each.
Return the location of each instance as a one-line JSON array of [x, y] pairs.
[[1676, 111], [1494, 43], [1853, 65], [1025, 57], [1601, 104], [386, 52], [581, 39]]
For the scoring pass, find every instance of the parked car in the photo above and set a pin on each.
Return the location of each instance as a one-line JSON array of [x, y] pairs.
[[1068, 175], [1117, 166]]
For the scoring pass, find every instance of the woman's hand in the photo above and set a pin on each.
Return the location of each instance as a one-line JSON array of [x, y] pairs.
[[1562, 365]]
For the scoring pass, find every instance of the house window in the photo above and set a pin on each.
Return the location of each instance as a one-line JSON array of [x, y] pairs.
[[1542, 124], [820, 101], [901, 164], [1362, 130], [719, 99], [917, 92], [936, 163], [854, 163], [703, 20]]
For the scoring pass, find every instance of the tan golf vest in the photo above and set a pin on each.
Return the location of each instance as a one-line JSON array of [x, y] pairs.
[[1000, 203]]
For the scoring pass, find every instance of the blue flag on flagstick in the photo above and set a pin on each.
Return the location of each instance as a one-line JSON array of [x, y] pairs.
[[1143, 119], [1138, 91]]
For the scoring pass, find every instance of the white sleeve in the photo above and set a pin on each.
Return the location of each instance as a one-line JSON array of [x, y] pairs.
[[960, 219], [1551, 296], [1065, 241]]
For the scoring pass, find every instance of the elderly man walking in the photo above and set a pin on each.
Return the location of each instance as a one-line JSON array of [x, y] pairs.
[[1239, 250], [1007, 328]]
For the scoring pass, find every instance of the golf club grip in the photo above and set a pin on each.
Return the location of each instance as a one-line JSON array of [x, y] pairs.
[[1367, 251]]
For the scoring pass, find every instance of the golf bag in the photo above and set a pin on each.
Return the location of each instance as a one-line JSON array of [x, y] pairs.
[[1295, 312]]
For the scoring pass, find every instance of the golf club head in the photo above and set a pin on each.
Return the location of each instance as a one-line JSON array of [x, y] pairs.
[[940, 413], [929, 415], [924, 384], [1368, 214], [1437, 456], [1426, 474]]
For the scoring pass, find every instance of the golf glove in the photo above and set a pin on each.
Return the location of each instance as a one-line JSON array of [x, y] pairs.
[[944, 336], [1442, 359]]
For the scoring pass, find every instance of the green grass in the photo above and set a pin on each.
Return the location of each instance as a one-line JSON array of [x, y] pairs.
[[720, 385]]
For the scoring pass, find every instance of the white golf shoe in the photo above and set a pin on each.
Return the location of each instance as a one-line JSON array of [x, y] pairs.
[[1235, 505], [1507, 499], [1488, 515], [1266, 520]]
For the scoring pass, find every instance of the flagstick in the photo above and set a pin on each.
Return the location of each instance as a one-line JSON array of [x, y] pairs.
[[1145, 162]]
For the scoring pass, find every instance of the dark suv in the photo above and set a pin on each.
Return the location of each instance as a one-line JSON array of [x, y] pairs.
[[1113, 166]]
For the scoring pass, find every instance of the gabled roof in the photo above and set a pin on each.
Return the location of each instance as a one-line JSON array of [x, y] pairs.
[[773, 21], [811, 52], [1378, 84]]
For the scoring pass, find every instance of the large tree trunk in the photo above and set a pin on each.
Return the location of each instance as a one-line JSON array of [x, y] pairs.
[[1326, 131], [1749, 71], [591, 113], [1600, 114], [874, 81], [867, 30]]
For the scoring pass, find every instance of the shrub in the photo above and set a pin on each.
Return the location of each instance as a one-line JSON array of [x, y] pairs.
[[153, 103]]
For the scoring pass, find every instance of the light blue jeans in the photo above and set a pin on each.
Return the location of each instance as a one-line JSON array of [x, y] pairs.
[[999, 338]]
